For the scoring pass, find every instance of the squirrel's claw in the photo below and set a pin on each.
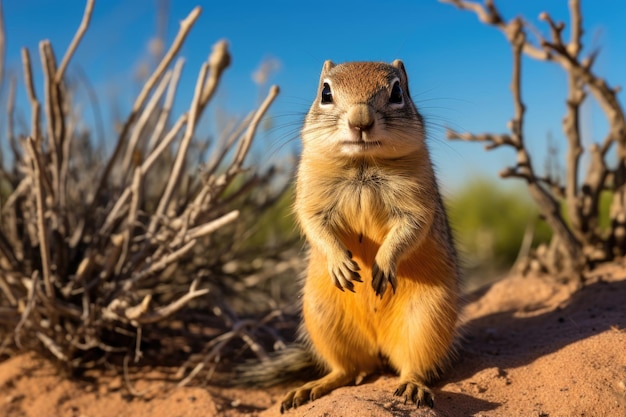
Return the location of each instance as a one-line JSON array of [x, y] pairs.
[[345, 272], [380, 279], [416, 394]]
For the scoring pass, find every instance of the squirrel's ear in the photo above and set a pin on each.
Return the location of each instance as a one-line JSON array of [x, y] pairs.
[[328, 65], [399, 64]]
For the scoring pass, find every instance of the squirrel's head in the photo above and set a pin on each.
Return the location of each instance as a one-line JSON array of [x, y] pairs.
[[363, 109]]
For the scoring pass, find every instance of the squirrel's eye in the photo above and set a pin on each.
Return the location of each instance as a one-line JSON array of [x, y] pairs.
[[327, 95], [396, 94]]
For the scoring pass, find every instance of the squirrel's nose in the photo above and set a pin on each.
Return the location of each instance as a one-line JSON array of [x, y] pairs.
[[361, 117]]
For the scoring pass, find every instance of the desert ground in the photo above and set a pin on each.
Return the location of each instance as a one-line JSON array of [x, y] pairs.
[[531, 347]]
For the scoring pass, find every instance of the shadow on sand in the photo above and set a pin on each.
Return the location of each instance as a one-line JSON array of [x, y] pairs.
[[511, 339]]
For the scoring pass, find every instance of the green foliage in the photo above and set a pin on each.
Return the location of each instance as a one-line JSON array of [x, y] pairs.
[[490, 222], [276, 225], [604, 219]]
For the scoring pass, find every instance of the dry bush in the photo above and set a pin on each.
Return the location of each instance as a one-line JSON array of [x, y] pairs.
[[570, 207], [106, 257]]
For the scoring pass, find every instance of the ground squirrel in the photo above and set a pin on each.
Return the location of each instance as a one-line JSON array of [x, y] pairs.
[[381, 283]]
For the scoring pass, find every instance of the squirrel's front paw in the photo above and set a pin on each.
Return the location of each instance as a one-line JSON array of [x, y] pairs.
[[343, 271], [381, 277]]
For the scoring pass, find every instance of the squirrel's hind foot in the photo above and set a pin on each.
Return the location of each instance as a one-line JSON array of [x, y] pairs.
[[415, 393], [315, 389]]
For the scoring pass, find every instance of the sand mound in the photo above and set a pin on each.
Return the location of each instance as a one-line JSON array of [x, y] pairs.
[[531, 347]]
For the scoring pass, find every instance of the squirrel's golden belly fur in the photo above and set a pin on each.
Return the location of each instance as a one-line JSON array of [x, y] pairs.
[[359, 329]]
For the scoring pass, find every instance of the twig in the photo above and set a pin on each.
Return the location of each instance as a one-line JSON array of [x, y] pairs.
[[244, 145], [118, 241], [493, 141], [488, 14], [172, 308], [208, 228], [30, 303], [41, 223], [8, 293], [167, 106], [128, 383], [55, 120], [20, 191], [571, 127], [141, 123], [84, 24], [185, 27], [576, 32], [215, 346], [132, 217], [52, 346], [30, 88], [145, 167], [10, 118], [218, 61], [161, 264], [181, 155], [6, 251], [228, 142]]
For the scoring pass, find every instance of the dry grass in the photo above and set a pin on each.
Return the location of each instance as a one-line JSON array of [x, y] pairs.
[[104, 258]]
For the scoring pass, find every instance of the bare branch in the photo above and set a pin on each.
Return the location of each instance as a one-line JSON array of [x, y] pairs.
[[41, 222], [172, 308], [167, 105], [490, 15], [244, 145], [493, 141], [576, 31], [162, 263], [145, 167], [53, 110], [571, 127], [208, 228], [30, 88], [84, 24], [10, 118], [29, 307], [52, 346], [548, 204], [185, 27], [141, 123], [181, 155], [218, 61], [136, 189], [202, 230]]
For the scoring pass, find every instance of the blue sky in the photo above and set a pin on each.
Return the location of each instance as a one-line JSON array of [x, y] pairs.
[[459, 69]]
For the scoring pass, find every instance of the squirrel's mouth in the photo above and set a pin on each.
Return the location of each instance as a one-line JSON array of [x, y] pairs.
[[359, 147], [361, 143]]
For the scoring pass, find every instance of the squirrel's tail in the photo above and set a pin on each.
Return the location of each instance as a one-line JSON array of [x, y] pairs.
[[290, 364]]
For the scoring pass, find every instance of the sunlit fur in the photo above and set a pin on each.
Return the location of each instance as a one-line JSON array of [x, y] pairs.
[[373, 209]]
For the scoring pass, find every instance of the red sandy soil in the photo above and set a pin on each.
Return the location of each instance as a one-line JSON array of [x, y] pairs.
[[531, 347]]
